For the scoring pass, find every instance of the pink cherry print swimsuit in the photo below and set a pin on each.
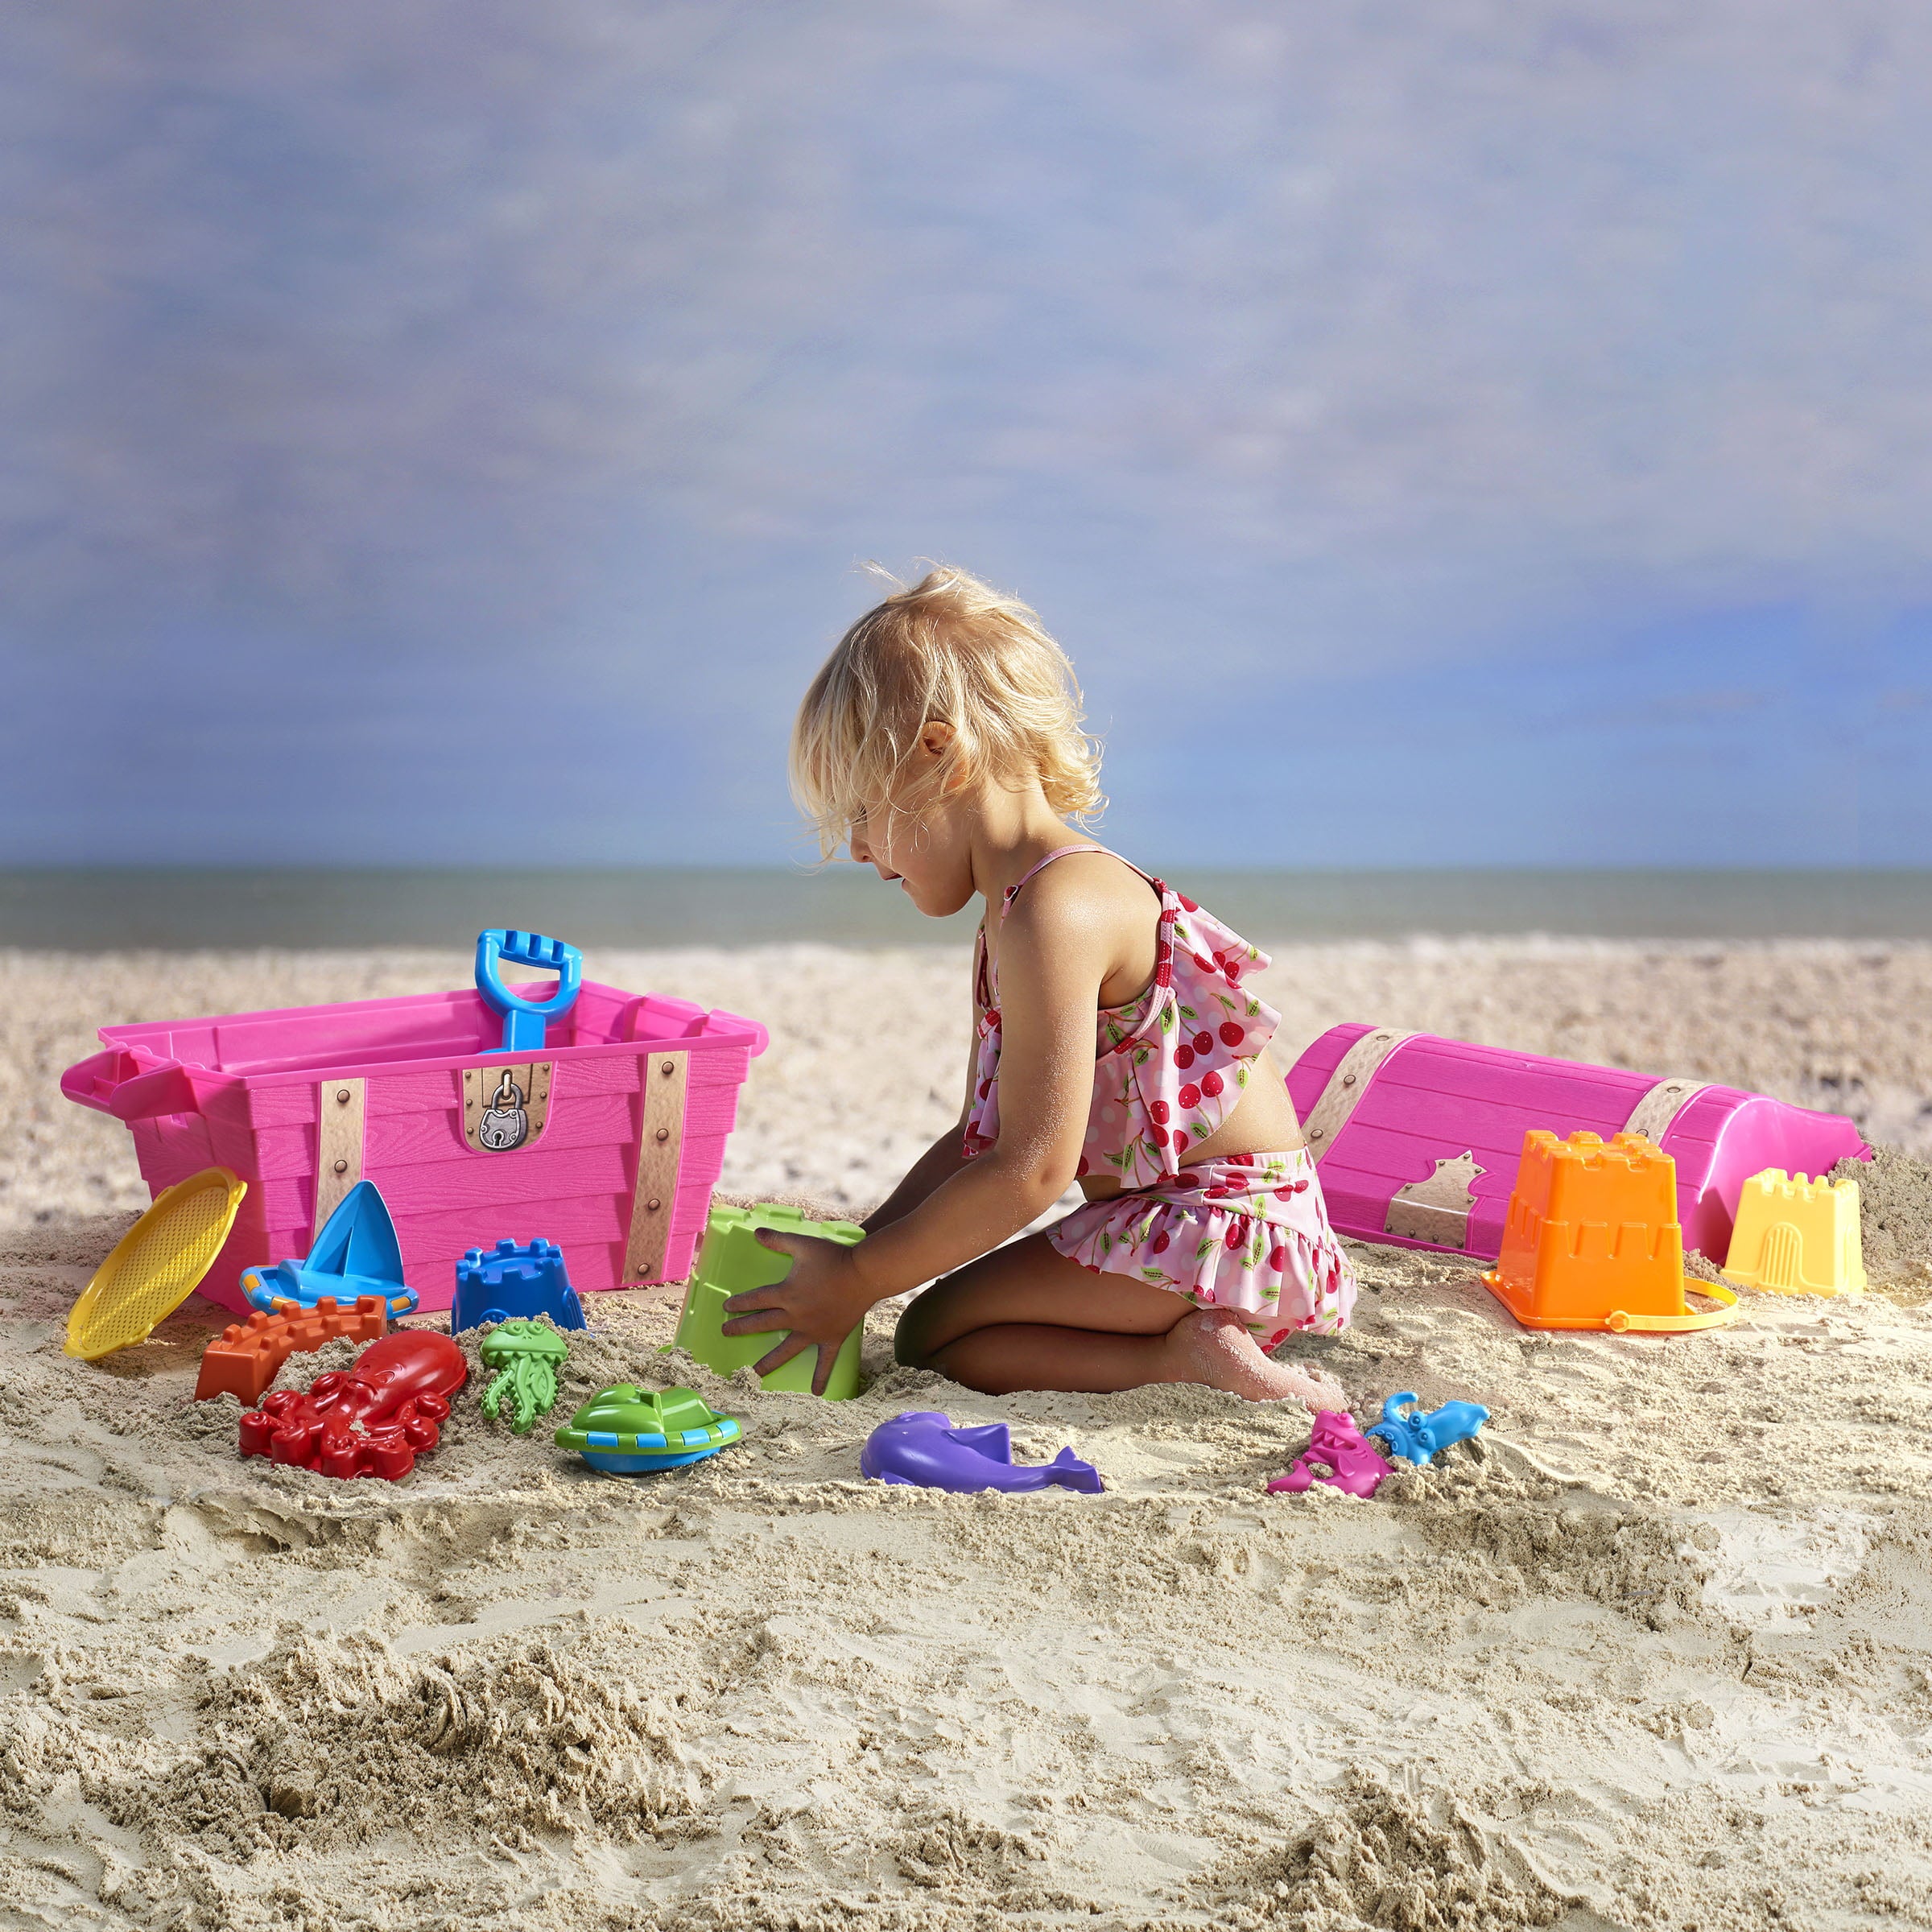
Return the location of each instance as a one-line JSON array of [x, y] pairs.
[[1247, 1232]]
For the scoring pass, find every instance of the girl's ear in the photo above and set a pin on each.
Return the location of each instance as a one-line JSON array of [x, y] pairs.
[[936, 739]]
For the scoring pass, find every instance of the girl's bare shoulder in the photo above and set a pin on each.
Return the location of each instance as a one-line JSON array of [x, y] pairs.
[[1091, 895]]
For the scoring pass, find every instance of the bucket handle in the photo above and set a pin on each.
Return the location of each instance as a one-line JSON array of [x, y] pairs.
[[1618, 1323]]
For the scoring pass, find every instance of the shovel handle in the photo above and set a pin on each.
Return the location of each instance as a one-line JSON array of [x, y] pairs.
[[524, 1019]]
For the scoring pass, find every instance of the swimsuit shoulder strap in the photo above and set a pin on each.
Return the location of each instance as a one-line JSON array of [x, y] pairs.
[[1059, 852], [1164, 943]]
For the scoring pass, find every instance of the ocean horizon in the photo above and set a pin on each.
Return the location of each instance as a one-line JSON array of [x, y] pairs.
[[91, 909]]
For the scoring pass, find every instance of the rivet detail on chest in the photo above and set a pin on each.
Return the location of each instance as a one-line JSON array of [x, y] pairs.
[[1347, 1084]]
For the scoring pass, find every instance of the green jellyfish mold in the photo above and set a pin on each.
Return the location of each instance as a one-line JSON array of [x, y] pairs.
[[624, 1431], [527, 1356]]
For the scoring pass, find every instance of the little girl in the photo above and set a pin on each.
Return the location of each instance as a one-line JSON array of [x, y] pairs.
[[1115, 1044]]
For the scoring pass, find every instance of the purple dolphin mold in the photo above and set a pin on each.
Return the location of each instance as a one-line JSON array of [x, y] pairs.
[[922, 1446]]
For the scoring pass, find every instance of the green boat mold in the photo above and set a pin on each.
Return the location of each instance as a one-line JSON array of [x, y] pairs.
[[625, 1430]]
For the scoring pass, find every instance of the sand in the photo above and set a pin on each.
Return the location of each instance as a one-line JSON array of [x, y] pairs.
[[1656, 1652]]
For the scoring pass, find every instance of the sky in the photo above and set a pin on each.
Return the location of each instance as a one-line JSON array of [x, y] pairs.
[[1458, 433]]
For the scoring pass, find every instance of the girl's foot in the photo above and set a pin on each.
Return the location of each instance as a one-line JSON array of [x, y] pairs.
[[1214, 1346]]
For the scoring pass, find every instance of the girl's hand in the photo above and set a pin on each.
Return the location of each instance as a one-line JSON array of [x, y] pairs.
[[821, 1301]]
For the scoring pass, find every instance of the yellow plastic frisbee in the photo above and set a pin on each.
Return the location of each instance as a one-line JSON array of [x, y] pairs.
[[157, 1264]]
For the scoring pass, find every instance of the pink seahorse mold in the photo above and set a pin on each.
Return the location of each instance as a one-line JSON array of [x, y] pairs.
[[1341, 1449]]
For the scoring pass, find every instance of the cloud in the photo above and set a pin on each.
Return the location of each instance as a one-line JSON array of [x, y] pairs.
[[355, 306], [1328, 338]]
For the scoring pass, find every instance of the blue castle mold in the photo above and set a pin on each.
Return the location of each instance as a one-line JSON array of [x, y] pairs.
[[507, 1280]]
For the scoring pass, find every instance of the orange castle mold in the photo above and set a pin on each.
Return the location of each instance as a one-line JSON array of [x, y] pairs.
[[246, 1356], [1592, 1240]]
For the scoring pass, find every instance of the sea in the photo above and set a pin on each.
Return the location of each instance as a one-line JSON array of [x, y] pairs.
[[96, 910]]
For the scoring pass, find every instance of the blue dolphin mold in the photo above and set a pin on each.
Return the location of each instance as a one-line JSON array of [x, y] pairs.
[[1418, 1436], [922, 1446], [355, 1253]]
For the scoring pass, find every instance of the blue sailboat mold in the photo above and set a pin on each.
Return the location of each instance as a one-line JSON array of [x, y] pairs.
[[357, 1254]]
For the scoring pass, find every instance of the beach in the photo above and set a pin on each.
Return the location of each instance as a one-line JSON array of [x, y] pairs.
[[1656, 1651]]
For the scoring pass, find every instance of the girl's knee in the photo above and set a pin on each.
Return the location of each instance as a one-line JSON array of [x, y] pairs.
[[913, 1343], [924, 1327]]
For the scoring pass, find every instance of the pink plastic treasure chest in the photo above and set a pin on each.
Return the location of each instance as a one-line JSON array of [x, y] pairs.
[[1418, 1138], [607, 1139]]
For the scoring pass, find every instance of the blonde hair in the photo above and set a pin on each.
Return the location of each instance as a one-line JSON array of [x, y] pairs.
[[952, 650]]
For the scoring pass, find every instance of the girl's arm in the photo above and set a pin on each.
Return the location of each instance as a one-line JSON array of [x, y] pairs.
[[936, 1165], [1055, 949], [941, 1161]]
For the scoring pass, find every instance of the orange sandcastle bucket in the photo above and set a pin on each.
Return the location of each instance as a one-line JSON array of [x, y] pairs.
[[1592, 1240]]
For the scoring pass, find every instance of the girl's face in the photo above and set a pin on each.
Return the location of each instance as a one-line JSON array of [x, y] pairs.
[[928, 853], [920, 836]]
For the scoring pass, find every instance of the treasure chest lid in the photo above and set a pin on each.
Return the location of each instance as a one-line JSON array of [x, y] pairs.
[[1418, 1138]]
